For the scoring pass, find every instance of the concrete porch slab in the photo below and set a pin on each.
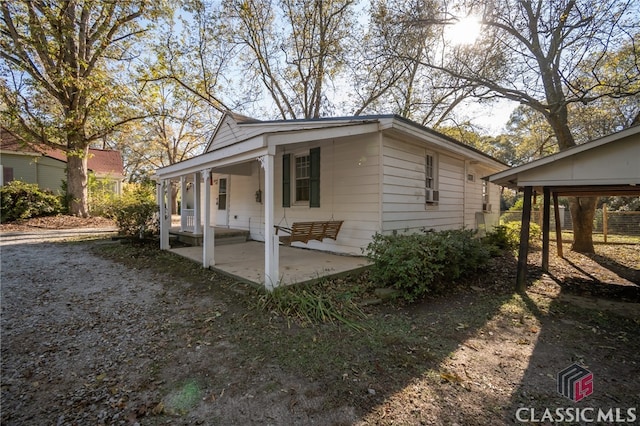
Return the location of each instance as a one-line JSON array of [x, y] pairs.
[[245, 261]]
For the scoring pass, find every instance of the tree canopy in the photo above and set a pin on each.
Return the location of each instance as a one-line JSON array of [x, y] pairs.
[[62, 65]]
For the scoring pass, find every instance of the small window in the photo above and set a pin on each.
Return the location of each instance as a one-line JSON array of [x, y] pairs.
[[432, 196], [486, 201], [485, 192], [471, 177], [302, 174], [430, 177], [7, 175]]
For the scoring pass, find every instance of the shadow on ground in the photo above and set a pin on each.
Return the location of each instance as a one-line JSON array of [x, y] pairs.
[[588, 321]]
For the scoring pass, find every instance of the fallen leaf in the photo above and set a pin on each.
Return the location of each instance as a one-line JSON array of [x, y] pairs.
[[451, 377]]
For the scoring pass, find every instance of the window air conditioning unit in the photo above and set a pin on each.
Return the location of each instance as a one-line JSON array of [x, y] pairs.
[[486, 207], [432, 196]]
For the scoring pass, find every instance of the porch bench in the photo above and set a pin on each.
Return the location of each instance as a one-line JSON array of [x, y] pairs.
[[307, 231]]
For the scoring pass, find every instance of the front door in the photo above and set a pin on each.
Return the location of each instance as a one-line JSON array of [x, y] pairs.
[[222, 202]]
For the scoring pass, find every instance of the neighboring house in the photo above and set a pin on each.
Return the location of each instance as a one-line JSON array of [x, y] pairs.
[[376, 173], [46, 166]]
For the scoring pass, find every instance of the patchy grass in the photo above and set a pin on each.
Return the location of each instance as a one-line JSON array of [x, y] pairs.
[[598, 238], [468, 357]]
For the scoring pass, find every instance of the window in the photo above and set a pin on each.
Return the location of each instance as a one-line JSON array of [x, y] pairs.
[[301, 171], [7, 175], [302, 174], [486, 206], [432, 195], [222, 194], [430, 180]]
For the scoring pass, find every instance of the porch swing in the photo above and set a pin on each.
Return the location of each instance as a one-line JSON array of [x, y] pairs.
[[312, 230]]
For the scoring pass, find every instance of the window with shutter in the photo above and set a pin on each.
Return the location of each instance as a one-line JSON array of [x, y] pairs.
[[301, 178]]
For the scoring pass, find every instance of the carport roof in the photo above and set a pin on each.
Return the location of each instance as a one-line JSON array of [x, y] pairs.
[[605, 166]]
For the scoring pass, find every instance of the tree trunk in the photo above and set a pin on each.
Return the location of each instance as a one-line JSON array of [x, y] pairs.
[[583, 209], [582, 213], [77, 183], [174, 199]]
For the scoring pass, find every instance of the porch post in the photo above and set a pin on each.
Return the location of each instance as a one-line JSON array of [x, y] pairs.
[[197, 204], [271, 241], [183, 194], [521, 278], [165, 210], [208, 238]]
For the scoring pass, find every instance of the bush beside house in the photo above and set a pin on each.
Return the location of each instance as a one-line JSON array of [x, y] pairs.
[[421, 264], [22, 200]]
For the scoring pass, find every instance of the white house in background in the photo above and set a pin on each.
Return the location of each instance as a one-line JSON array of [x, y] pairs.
[[378, 173]]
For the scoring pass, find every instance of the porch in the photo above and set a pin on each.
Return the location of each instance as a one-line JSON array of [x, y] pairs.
[[245, 261]]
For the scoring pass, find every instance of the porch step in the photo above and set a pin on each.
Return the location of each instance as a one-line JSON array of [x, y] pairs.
[[222, 236]]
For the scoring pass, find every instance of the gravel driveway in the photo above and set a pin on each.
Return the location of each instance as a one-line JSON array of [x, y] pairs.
[[88, 341]]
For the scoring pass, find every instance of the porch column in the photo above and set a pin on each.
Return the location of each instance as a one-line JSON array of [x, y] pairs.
[[271, 241], [208, 238], [165, 212], [197, 206], [183, 194]]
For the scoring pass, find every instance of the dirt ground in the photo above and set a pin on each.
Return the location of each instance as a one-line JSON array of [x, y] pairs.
[[95, 335]]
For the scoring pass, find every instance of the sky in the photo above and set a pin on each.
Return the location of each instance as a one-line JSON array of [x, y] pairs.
[[492, 118]]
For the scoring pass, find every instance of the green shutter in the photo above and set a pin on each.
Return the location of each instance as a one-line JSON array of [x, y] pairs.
[[286, 180], [314, 178]]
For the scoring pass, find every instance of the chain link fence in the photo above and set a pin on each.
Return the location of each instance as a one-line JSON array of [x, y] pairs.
[[611, 226]]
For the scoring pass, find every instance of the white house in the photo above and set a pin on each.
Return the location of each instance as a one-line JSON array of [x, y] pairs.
[[378, 173]]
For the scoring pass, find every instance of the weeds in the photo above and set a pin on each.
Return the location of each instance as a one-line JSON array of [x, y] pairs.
[[311, 306]]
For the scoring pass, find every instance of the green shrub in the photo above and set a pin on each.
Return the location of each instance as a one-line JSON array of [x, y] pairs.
[[135, 212], [427, 263], [513, 233], [101, 195], [507, 236], [498, 238], [22, 200]]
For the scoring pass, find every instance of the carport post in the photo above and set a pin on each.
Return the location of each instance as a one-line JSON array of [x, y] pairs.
[[556, 211], [521, 278], [546, 219]]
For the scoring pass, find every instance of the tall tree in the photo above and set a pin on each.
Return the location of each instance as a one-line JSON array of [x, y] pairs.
[[544, 47], [388, 73], [61, 59], [176, 126], [294, 48]]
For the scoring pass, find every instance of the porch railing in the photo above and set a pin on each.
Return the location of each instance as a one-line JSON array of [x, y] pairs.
[[188, 220]]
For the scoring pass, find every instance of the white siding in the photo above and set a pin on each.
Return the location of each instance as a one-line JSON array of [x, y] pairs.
[[404, 207], [473, 197], [227, 133], [349, 191]]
